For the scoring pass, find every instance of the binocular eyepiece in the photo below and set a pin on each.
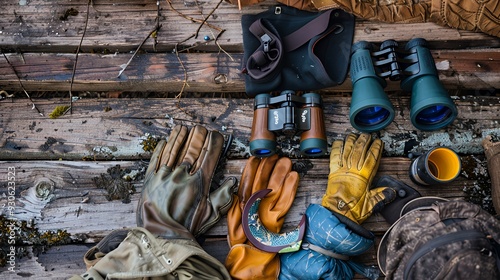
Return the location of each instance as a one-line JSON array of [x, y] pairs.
[[431, 107], [288, 114]]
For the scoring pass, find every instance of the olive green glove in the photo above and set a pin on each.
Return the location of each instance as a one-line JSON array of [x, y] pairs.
[[353, 165], [176, 201]]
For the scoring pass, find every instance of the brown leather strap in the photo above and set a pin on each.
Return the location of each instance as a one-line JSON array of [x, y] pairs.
[[267, 57], [307, 32]]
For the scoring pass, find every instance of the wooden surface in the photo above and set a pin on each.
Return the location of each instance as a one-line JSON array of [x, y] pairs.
[[92, 140], [460, 69], [113, 129], [121, 25], [56, 160], [41, 44]]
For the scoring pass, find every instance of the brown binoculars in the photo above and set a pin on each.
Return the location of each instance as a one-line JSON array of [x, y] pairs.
[[288, 114]]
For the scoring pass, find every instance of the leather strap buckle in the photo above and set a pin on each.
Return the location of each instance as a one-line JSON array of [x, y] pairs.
[[266, 40]]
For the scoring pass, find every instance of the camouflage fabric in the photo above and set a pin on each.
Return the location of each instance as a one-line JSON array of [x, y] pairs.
[[386, 10], [446, 240], [468, 15], [481, 16]]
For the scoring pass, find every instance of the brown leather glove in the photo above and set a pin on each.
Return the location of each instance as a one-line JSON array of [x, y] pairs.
[[468, 15], [176, 201], [244, 261], [387, 11]]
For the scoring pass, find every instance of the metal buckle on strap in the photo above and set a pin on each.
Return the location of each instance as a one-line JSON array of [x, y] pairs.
[[266, 39]]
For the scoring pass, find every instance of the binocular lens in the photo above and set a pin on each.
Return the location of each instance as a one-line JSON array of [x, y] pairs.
[[371, 116], [434, 114], [313, 151]]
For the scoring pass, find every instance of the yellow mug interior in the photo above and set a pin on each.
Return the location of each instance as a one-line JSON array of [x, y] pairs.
[[444, 164]]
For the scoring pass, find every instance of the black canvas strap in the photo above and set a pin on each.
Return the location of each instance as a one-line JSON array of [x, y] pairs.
[[267, 57], [437, 242]]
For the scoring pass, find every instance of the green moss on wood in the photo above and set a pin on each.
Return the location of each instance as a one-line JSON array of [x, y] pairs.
[[17, 235], [58, 111]]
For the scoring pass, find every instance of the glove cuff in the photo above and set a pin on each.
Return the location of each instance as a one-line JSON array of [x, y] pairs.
[[350, 224], [247, 262]]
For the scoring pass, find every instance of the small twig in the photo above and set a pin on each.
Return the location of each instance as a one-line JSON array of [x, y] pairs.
[[33, 106], [211, 31], [70, 109], [194, 45], [184, 82], [194, 35], [155, 34], [206, 18], [124, 66], [220, 47]]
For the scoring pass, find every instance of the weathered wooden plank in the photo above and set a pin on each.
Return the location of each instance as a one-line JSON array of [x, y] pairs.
[[57, 26], [63, 194], [76, 204], [115, 128], [203, 72], [59, 263]]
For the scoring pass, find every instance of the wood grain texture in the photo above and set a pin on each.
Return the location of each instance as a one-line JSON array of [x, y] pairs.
[[78, 206], [56, 160], [113, 129], [165, 72], [117, 25], [42, 41]]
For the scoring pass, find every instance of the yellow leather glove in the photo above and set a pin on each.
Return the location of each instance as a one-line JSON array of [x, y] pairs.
[[353, 165]]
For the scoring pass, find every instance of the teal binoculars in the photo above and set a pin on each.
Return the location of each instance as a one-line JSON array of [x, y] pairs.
[[431, 107], [288, 115]]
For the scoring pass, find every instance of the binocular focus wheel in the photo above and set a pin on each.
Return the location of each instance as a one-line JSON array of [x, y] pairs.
[[416, 42], [388, 43]]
